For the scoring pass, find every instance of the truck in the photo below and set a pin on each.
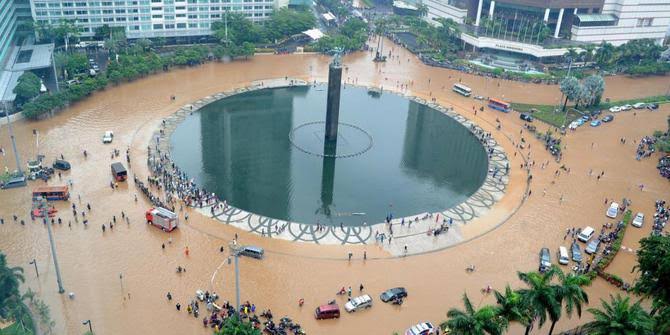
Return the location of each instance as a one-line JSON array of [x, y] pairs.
[[162, 218], [119, 172]]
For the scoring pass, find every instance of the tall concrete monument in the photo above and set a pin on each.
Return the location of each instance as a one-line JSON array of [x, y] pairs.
[[333, 102]]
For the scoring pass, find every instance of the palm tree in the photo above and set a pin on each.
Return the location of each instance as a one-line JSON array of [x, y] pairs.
[[619, 317], [570, 291], [511, 307], [541, 297], [9, 285], [474, 321]]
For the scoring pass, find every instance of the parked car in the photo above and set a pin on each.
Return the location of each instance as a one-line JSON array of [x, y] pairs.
[[592, 247], [562, 255], [595, 123], [652, 106], [60, 164], [580, 121], [252, 251], [639, 105], [586, 234], [423, 328], [393, 293], [526, 117], [586, 118], [626, 107], [545, 259], [638, 220], [108, 137], [613, 211], [356, 303], [576, 253], [596, 113], [615, 109], [329, 311], [479, 97], [608, 118]]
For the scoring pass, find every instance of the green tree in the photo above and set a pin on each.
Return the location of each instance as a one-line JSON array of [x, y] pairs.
[[286, 22], [240, 30], [571, 89], [619, 317], [511, 307], [473, 321], [653, 258], [605, 54], [541, 297], [571, 291], [65, 31], [594, 86], [234, 326], [27, 87]]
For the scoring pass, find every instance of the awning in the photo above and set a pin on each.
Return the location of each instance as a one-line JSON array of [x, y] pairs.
[[314, 34], [328, 16]]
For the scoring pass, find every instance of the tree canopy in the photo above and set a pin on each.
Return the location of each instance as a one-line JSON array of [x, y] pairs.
[[28, 87]]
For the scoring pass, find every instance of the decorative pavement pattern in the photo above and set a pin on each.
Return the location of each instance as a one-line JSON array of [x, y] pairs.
[[406, 239]]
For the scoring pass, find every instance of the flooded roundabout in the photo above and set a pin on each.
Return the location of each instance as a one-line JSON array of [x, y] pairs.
[[120, 277]]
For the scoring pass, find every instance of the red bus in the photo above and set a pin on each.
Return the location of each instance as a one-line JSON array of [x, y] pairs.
[[499, 105], [51, 193]]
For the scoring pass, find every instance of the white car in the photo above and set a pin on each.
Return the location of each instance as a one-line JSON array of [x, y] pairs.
[[613, 210], [626, 107], [364, 301], [638, 220], [615, 109], [423, 328], [108, 137], [639, 105], [479, 97]]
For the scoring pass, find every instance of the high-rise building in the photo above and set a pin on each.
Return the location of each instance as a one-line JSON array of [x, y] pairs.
[[545, 28], [150, 18], [12, 12]]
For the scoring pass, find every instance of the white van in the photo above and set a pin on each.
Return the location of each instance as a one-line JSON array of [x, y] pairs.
[[586, 234], [563, 255], [613, 210]]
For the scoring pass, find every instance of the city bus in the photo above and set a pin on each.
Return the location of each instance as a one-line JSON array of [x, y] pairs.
[[462, 90], [51, 193], [499, 105]]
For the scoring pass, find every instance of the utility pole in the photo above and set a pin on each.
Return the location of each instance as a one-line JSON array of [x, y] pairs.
[[226, 24], [45, 212]]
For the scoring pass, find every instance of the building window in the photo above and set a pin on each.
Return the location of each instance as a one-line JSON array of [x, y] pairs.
[[169, 17], [67, 4], [157, 16], [169, 26], [120, 11], [40, 5], [180, 8], [107, 3], [156, 8], [82, 12], [181, 15], [158, 26], [120, 19], [645, 22], [108, 19], [81, 4], [181, 25], [107, 11], [119, 3]]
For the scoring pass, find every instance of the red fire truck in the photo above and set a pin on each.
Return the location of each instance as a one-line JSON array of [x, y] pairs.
[[162, 218]]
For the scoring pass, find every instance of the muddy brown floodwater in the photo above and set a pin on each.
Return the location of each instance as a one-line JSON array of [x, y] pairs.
[[91, 260]]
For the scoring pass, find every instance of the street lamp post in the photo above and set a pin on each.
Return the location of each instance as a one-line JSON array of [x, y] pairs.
[[45, 213], [90, 325], [34, 262]]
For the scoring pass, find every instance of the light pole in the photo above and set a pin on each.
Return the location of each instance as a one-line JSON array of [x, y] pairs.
[[45, 213], [90, 325], [34, 262]]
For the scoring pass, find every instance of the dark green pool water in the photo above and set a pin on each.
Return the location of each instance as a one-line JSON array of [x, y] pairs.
[[420, 160]]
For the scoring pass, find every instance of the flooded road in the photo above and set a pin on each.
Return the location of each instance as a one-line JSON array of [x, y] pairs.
[[91, 260]]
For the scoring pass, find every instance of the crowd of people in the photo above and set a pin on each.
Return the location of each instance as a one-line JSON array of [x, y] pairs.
[[645, 148], [660, 217]]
